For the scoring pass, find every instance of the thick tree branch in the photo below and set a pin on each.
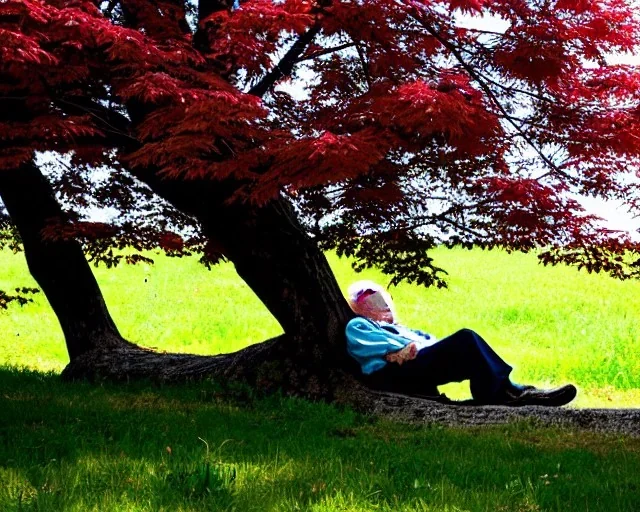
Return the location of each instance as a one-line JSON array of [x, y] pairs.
[[286, 64], [127, 362]]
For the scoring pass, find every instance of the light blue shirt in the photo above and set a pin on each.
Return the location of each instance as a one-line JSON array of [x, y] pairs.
[[368, 341]]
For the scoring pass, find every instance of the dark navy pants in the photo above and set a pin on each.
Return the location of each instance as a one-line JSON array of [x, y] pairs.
[[461, 356]]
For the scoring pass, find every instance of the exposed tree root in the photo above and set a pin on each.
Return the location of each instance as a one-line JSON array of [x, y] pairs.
[[416, 410], [128, 361], [262, 366]]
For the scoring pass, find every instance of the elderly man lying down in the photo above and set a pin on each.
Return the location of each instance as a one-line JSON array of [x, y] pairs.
[[396, 358]]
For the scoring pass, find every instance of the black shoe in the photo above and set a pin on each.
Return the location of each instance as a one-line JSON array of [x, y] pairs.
[[509, 391], [524, 387], [547, 397]]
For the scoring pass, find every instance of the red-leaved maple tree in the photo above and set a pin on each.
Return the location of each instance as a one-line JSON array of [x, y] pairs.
[[379, 128]]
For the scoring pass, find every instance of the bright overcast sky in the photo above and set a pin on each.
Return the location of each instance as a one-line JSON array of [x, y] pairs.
[[617, 216]]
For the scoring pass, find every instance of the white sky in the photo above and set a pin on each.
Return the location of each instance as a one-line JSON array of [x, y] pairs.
[[617, 217]]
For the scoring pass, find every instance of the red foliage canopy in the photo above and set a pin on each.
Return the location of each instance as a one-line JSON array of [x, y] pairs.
[[415, 123]]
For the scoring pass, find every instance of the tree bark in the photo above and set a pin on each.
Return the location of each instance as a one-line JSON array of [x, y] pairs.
[[59, 266], [285, 268], [268, 246], [131, 362], [272, 253]]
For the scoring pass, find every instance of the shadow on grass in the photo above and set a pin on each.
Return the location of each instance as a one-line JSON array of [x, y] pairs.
[[193, 447]]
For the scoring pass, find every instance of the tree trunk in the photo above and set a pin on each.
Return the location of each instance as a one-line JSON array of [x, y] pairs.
[[285, 268], [59, 266], [272, 253]]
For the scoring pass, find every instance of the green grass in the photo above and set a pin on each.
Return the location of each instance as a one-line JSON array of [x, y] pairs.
[[142, 447], [554, 325], [136, 447]]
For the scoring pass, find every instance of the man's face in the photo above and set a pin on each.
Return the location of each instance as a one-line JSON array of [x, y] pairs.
[[385, 316], [373, 304]]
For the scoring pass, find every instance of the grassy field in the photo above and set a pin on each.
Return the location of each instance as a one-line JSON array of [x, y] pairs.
[[140, 447], [552, 324]]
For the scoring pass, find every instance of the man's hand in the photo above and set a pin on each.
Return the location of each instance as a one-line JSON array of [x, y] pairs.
[[402, 356]]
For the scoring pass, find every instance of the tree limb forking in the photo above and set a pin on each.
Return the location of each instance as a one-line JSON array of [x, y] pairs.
[[286, 64], [114, 122], [515, 90], [364, 64]]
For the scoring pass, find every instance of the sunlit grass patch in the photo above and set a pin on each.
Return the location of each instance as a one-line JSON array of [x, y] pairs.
[[553, 324]]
